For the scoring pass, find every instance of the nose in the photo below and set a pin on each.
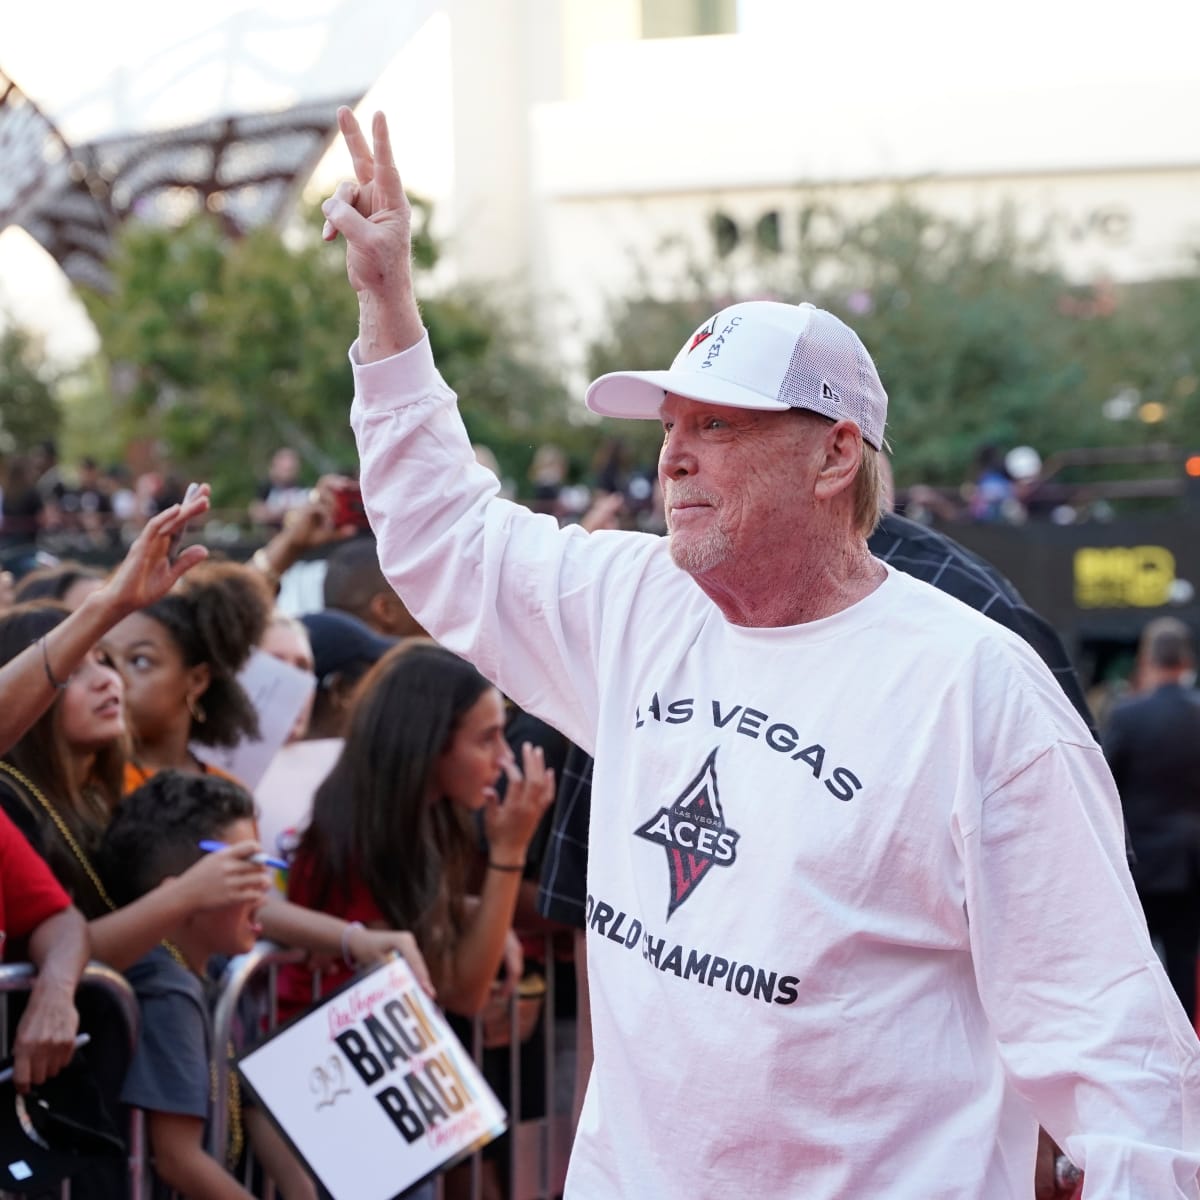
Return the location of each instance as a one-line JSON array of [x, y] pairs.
[[104, 678], [675, 459]]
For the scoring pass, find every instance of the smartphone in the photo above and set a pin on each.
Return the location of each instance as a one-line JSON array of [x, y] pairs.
[[348, 507], [176, 542]]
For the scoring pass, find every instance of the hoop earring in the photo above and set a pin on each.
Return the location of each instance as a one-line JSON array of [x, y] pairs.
[[196, 709]]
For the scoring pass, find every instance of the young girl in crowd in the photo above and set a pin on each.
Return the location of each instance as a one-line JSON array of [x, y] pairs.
[[180, 659], [391, 833]]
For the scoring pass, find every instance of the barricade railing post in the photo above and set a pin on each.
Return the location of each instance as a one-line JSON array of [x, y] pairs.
[[237, 975], [19, 977], [549, 1030], [477, 1157], [514, 1091]]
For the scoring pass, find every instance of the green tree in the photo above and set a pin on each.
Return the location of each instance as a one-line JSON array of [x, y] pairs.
[[224, 349], [29, 409], [977, 334]]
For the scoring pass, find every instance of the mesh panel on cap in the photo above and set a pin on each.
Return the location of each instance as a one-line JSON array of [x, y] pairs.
[[831, 373]]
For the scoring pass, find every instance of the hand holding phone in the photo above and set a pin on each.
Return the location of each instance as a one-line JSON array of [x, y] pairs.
[[176, 542], [348, 509]]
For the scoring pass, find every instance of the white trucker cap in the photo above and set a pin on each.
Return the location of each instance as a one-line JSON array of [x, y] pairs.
[[765, 355]]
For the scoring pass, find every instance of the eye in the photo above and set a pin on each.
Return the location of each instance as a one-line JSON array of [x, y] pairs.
[[139, 662], [716, 423], [668, 426]]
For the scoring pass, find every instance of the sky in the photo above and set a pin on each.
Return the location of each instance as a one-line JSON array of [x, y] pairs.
[[143, 63]]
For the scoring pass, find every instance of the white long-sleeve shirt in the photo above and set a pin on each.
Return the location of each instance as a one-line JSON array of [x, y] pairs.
[[859, 912]]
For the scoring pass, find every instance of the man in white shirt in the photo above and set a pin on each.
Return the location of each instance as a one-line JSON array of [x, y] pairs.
[[858, 913]]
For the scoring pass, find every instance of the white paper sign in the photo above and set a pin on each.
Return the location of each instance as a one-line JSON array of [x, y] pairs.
[[372, 1089], [278, 691], [285, 793]]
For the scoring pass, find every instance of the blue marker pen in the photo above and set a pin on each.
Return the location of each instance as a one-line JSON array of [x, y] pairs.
[[263, 860]]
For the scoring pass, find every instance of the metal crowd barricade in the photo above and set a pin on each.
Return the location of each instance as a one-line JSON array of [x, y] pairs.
[[19, 977], [538, 1147]]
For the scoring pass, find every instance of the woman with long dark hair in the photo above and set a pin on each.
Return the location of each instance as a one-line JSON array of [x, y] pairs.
[[179, 658], [392, 826]]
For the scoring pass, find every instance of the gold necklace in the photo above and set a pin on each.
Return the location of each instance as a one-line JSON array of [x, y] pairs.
[[63, 830], [236, 1136]]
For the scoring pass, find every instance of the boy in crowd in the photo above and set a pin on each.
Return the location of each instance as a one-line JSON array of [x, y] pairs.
[[156, 834]]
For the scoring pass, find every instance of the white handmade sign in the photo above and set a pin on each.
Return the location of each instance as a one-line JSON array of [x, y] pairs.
[[372, 1089], [278, 691]]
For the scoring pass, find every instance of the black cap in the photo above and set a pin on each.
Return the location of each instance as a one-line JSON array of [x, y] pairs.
[[342, 644], [58, 1129]]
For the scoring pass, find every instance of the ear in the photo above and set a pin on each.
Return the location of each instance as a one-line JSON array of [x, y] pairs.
[[390, 616], [198, 679], [843, 451], [379, 611]]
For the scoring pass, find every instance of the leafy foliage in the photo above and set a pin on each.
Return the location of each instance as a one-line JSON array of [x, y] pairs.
[[977, 335], [29, 410], [225, 349]]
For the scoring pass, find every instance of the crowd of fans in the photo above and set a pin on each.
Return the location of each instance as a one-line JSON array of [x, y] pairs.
[[385, 797], [125, 679]]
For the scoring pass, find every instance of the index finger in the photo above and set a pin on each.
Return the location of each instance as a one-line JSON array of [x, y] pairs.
[[22, 1069], [356, 143], [389, 191]]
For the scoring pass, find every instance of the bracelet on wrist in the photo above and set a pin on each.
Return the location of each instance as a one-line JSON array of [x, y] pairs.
[[56, 684], [495, 866], [347, 957]]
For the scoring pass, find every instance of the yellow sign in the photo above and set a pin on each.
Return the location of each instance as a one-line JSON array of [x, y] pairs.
[[1123, 576]]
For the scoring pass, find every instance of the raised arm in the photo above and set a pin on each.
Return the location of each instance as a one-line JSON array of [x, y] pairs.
[[510, 825], [30, 682], [374, 216], [228, 876]]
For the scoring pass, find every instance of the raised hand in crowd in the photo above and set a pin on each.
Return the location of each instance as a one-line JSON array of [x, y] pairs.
[[511, 822], [30, 682], [154, 562], [316, 523]]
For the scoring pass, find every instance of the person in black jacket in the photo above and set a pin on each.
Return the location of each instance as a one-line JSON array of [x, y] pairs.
[[1153, 747]]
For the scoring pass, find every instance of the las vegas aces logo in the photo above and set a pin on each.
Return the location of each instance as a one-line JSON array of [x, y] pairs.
[[694, 834]]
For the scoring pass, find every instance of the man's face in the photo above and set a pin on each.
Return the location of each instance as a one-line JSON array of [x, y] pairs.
[[734, 480], [285, 467]]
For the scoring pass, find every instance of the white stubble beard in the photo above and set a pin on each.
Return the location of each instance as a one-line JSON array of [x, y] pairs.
[[697, 554]]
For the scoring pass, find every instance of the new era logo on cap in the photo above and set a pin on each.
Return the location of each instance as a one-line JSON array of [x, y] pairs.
[[762, 355]]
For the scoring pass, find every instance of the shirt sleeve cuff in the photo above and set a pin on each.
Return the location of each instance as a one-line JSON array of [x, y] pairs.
[[395, 381]]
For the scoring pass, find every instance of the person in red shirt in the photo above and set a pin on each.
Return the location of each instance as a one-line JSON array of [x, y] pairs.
[[37, 917]]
